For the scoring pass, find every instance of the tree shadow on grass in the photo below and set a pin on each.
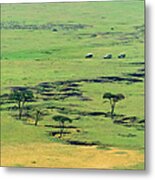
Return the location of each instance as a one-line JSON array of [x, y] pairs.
[[83, 143]]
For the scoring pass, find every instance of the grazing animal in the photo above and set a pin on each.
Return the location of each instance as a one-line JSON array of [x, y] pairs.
[[89, 55], [121, 56], [108, 56]]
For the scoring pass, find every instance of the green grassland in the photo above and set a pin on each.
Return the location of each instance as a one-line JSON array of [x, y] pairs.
[[46, 44]]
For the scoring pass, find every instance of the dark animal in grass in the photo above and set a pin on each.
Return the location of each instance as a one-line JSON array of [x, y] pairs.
[[78, 130], [121, 56], [108, 56], [89, 55]]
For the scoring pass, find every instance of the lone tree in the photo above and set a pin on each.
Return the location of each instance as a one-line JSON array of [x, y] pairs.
[[62, 120], [20, 96], [38, 113], [113, 99]]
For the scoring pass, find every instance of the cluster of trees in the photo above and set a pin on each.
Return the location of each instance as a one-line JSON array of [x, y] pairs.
[[21, 96]]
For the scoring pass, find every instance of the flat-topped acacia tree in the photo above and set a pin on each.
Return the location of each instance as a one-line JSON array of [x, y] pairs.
[[62, 120], [21, 96], [113, 99]]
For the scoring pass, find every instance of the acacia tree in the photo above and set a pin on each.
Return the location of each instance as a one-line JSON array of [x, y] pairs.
[[62, 120], [20, 96], [38, 113], [113, 99], [38, 116]]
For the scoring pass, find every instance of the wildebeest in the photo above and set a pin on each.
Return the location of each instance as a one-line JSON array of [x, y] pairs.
[[89, 55], [108, 56], [121, 56]]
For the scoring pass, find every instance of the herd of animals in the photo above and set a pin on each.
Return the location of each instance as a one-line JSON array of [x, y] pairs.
[[107, 56]]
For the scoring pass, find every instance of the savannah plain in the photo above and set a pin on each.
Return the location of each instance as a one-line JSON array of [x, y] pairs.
[[43, 48]]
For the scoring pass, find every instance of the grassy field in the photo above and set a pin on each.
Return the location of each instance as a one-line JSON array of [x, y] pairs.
[[43, 48]]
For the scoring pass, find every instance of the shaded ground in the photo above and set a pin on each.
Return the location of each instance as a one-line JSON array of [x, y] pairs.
[[60, 90], [58, 155], [12, 25]]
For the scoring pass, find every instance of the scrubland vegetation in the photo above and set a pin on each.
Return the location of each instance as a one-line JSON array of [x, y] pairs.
[[61, 109]]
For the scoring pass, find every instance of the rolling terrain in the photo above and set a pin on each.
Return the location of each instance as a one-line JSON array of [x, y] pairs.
[[43, 49]]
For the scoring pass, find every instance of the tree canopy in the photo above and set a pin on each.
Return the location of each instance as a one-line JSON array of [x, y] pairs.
[[21, 95], [62, 119], [113, 99]]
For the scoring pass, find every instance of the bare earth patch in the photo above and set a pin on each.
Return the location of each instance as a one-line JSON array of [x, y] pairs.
[[54, 155]]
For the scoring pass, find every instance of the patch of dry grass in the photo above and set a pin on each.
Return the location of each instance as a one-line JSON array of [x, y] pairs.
[[56, 155]]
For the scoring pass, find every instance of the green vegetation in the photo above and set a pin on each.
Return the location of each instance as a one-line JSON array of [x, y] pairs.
[[139, 166], [113, 99], [38, 113], [20, 96], [62, 120], [46, 78]]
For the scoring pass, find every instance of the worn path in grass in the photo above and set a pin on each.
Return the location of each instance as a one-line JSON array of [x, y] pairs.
[[56, 155]]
